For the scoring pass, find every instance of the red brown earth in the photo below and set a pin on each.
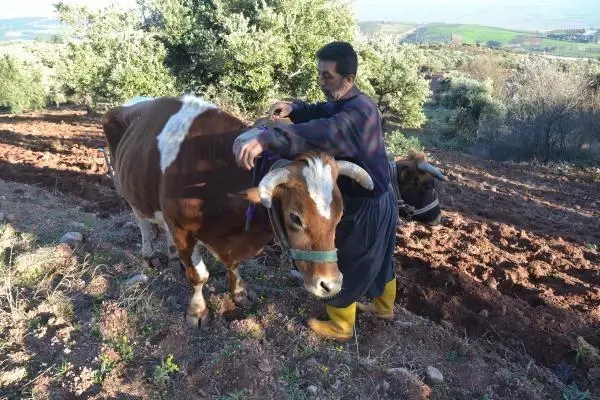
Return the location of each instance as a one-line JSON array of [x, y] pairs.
[[515, 261]]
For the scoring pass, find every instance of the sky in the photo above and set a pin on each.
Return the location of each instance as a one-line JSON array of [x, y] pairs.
[[517, 14], [44, 8]]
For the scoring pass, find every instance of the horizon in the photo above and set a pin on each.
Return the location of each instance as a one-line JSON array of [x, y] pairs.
[[533, 16]]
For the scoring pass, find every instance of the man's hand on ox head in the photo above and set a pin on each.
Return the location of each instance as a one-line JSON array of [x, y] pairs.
[[247, 147]]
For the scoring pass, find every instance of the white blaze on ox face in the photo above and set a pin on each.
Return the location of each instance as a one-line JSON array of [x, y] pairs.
[[320, 184], [177, 128]]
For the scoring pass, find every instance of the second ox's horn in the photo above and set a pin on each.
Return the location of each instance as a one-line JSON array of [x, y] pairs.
[[435, 172]]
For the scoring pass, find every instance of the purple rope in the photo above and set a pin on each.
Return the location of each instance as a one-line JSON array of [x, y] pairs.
[[265, 159]]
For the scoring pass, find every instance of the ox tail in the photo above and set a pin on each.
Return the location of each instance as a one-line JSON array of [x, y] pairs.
[[113, 130]]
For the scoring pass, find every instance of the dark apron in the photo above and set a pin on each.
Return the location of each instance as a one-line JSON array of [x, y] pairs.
[[366, 238]]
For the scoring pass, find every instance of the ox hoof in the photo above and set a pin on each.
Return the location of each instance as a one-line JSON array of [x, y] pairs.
[[245, 299], [175, 263], [156, 260], [198, 321]]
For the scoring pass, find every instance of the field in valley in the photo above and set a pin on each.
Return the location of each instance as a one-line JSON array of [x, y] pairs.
[[503, 298], [474, 34]]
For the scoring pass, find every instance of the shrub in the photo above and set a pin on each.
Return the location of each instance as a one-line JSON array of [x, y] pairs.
[[552, 110], [246, 52], [109, 59], [479, 115], [390, 73], [400, 145], [21, 85]]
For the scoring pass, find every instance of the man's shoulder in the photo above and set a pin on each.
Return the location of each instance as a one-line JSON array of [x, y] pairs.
[[363, 103], [362, 98]]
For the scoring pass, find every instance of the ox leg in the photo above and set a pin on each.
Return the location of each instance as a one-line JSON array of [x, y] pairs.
[[197, 314], [242, 294], [197, 275], [171, 247], [149, 235]]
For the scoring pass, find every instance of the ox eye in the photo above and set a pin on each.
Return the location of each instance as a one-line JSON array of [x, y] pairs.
[[295, 219]]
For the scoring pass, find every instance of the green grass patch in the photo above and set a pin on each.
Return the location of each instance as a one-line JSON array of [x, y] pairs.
[[472, 34], [572, 49]]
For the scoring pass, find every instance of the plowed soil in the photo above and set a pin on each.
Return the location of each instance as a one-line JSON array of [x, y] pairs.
[[515, 260]]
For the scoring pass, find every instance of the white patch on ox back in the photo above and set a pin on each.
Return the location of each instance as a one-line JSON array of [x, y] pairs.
[[177, 128], [320, 185]]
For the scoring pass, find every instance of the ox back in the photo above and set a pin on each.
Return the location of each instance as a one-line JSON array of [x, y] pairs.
[[192, 166]]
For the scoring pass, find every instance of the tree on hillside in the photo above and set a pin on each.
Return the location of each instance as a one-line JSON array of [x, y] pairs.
[[109, 59], [478, 114], [390, 73], [241, 54], [552, 109], [247, 52], [21, 85]]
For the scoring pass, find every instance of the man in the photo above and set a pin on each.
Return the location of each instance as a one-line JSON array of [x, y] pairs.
[[347, 126]]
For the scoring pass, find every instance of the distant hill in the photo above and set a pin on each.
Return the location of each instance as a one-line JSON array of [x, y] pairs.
[[394, 28], [27, 29], [572, 43]]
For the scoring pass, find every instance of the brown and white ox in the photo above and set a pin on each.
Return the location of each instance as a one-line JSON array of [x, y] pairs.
[[173, 163]]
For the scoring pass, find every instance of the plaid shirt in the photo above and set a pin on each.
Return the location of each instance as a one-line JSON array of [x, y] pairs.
[[347, 129]]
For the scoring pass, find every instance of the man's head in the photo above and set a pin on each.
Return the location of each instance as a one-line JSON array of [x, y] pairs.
[[337, 65]]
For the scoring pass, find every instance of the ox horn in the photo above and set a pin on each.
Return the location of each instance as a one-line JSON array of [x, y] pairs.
[[268, 184], [426, 167], [355, 172]]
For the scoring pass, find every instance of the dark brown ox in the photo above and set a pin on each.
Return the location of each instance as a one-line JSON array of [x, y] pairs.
[[413, 180], [173, 163]]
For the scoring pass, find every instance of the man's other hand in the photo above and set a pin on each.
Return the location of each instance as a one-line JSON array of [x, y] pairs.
[[281, 109], [246, 148]]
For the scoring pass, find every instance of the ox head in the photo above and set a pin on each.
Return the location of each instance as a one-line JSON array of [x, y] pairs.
[[307, 201], [414, 181]]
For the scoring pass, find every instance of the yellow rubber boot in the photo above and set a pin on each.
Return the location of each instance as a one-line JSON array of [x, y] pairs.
[[382, 306], [340, 325]]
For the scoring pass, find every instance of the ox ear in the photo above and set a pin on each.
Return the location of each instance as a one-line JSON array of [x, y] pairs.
[[250, 195], [403, 172]]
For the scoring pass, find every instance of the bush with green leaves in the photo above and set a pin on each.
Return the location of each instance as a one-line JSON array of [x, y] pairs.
[[241, 54], [21, 86], [478, 115], [246, 52], [400, 145], [390, 73], [48, 57], [109, 59]]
